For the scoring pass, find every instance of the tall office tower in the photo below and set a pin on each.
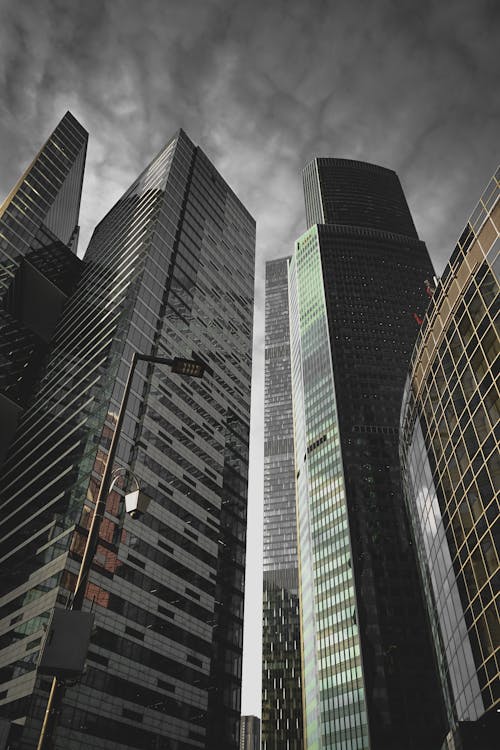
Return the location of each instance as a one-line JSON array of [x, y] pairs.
[[38, 267], [250, 733], [281, 664], [357, 290], [281, 660], [451, 476], [168, 272]]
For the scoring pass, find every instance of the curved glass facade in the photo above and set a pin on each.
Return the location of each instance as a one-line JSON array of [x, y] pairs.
[[356, 283], [451, 465], [357, 194]]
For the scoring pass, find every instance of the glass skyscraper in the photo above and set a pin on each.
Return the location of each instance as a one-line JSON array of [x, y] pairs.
[[357, 289], [281, 659], [451, 472], [168, 272], [38, 265], [250, 733]]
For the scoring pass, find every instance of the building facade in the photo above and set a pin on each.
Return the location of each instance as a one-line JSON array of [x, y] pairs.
[[168, 272], [451, 472], [38, 265], [250, 733], [281, 659], [358, 281]]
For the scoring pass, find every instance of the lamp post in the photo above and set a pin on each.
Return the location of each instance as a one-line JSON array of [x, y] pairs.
[[178, 365]]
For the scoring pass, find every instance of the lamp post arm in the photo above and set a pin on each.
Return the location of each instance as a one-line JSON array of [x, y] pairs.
[[156, 360]]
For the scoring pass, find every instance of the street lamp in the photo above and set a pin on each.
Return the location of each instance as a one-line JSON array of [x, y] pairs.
[[181, 366]]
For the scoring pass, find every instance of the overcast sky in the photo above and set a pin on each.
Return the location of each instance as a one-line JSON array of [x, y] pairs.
[[263, 87]]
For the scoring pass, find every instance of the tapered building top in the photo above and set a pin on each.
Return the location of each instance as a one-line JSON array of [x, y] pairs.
[[343, 191], [38, 267], [48, 192]]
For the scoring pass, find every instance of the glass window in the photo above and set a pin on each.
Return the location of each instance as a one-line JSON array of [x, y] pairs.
[[466, 329], [479, 567], [490, 555], [456, 347], [493, 625], [481, 423], [465, 515], [484, 635], [492, 403], [451, 416], [485, 488], [454, 472], [491, 346], [447, 363], [440, 381], [489, 288], [475, 504], [468, 382], [470, 441], [443, 430], [446, 485], [479, 364], [461, 455], [469, 579], [458, 401], [476, 308], [494, 469], [434, 397]]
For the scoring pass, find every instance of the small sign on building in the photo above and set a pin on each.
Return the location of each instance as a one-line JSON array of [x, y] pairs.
[[66, 643]]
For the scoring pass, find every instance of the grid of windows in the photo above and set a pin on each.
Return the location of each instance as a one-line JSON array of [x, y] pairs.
[[356, 194], [452, 467], [54, 177], [281, 667], [38, 235], [334, 694]]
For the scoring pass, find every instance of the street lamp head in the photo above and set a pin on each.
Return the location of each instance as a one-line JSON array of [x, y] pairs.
[[136, 503], [188, 367]]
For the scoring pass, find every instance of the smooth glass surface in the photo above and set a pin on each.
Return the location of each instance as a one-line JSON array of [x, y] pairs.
[[450, 465]]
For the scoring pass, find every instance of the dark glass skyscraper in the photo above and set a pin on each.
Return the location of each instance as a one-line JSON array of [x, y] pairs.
[[357, 288], [168, 272], [38, 266], [250, 733], [451, 475], [281, 660]]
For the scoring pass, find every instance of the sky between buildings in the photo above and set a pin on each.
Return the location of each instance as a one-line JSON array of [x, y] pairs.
[[263, 86]]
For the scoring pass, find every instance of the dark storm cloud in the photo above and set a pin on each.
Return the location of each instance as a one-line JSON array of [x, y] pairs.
[[263, 86]]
